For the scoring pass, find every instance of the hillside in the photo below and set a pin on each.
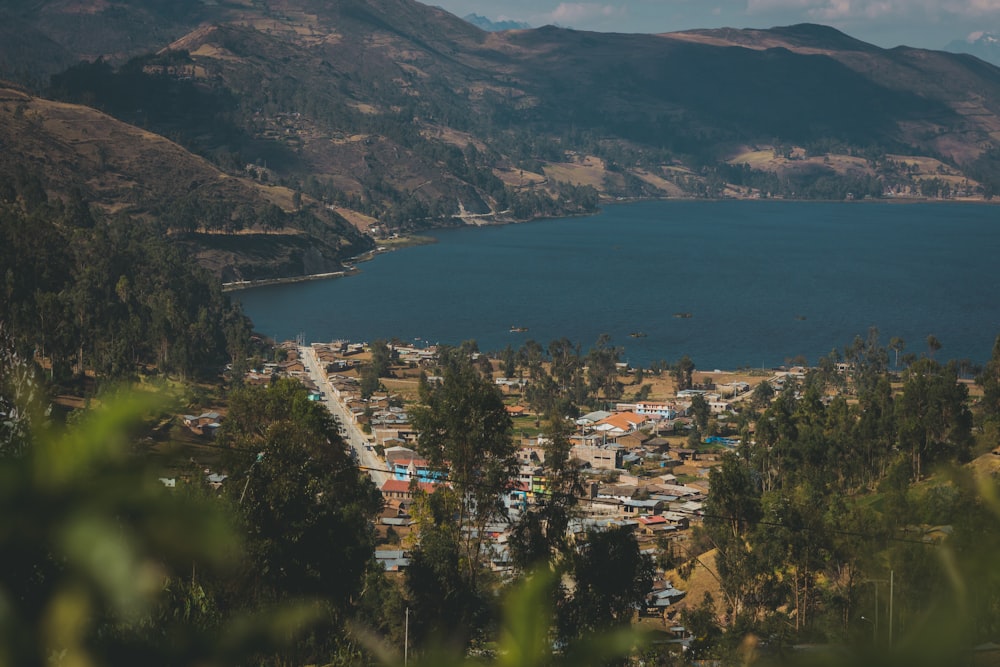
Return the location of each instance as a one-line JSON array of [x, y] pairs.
[[83, 153], [403, 116]]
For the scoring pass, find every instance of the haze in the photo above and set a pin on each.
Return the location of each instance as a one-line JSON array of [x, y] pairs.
[[887, 23]]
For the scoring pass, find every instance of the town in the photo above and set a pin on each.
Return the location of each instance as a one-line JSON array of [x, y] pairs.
[[642, 469]]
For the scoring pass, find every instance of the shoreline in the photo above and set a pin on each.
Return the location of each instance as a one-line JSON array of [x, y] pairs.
[[261, 282], [418, 240]]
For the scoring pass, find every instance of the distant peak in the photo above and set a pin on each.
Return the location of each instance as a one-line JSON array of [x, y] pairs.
[[497, 25]]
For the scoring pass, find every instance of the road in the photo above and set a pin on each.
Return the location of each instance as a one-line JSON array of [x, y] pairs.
[[366, 457]]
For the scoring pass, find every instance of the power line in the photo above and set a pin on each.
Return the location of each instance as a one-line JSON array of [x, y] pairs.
[[612, 502]]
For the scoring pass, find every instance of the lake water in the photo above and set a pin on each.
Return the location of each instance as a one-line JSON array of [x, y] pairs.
[[763, 282]]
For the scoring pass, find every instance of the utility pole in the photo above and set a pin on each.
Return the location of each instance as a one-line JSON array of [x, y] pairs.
[[892, 574], [406, 638]]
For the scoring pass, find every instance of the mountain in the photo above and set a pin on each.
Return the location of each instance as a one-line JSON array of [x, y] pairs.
[[983, 45], [396, 116], [78, 152], [486, 24]]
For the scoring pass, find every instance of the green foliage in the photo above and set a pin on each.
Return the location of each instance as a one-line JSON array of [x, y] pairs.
[[610, 581], [110, 296], [683, 373], [94, 546], [463, 427], [602, 369], [303, 504]]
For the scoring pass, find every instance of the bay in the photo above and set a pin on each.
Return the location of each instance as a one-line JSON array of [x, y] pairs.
[[763, 282]]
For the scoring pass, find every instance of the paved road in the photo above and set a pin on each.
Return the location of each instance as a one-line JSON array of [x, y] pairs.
[[366, 457]]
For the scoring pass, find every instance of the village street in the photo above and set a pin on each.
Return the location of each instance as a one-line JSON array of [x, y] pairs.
[[353, 436]]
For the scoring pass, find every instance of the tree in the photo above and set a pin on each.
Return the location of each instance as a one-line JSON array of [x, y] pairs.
[[762, 395], [732, 513], [508, 359], [611, 578], [602, 368], [530, 356], [305, 507], [448, 605], [539, 537], [700, 411], [897, 345], [684, 373], [932, 416], [989, 380], [933, 345], [463, 428]]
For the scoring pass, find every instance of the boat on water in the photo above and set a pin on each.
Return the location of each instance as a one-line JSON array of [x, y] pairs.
[[638, 334], [516, 329], [683, 316]]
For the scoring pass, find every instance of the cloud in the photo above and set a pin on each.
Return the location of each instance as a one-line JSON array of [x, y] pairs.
[[847, 10], [577, 13]]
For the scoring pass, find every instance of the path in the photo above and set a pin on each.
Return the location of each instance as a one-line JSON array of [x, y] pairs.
[[364, 454]]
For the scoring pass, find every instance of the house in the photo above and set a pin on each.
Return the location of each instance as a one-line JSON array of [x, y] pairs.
[[607, 457], [204, 424], [682, 521], [531, 455], [633, 440], [620, 423], [661, 410], [405, 464], [291, 367], [656, 525], [635, 506], [395, 489], [662, 596], [392, 560], [592, 418]]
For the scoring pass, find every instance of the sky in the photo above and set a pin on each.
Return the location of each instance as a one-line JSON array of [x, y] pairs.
[[886, 23]]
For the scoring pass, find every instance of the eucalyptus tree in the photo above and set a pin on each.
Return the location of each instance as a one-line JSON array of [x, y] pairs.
[[539, 538], [611, 578], [897, 345], [933, 344], [683, 373], [463, 430], [304, 505], [602, 368], [733, 512], [933, 419], [989, 380]]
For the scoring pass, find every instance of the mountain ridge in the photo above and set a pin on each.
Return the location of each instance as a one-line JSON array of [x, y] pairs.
[[404, 116]]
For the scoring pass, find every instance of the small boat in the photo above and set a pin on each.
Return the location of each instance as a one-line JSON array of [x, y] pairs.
[[638, 334], [518, 329], [800, 318], [683, 316]]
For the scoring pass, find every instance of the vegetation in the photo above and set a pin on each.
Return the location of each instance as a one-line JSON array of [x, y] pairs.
[[109, 296]]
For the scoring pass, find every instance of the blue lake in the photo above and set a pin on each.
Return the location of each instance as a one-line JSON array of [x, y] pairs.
[[763, 282]]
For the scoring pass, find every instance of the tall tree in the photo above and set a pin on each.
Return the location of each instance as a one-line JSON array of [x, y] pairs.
[[539, 537], [602, 368], [305, 506], [463, 429], [611, 579], [933, 345], [989, 380], [932, 415], [683, 373], [897, 345]]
